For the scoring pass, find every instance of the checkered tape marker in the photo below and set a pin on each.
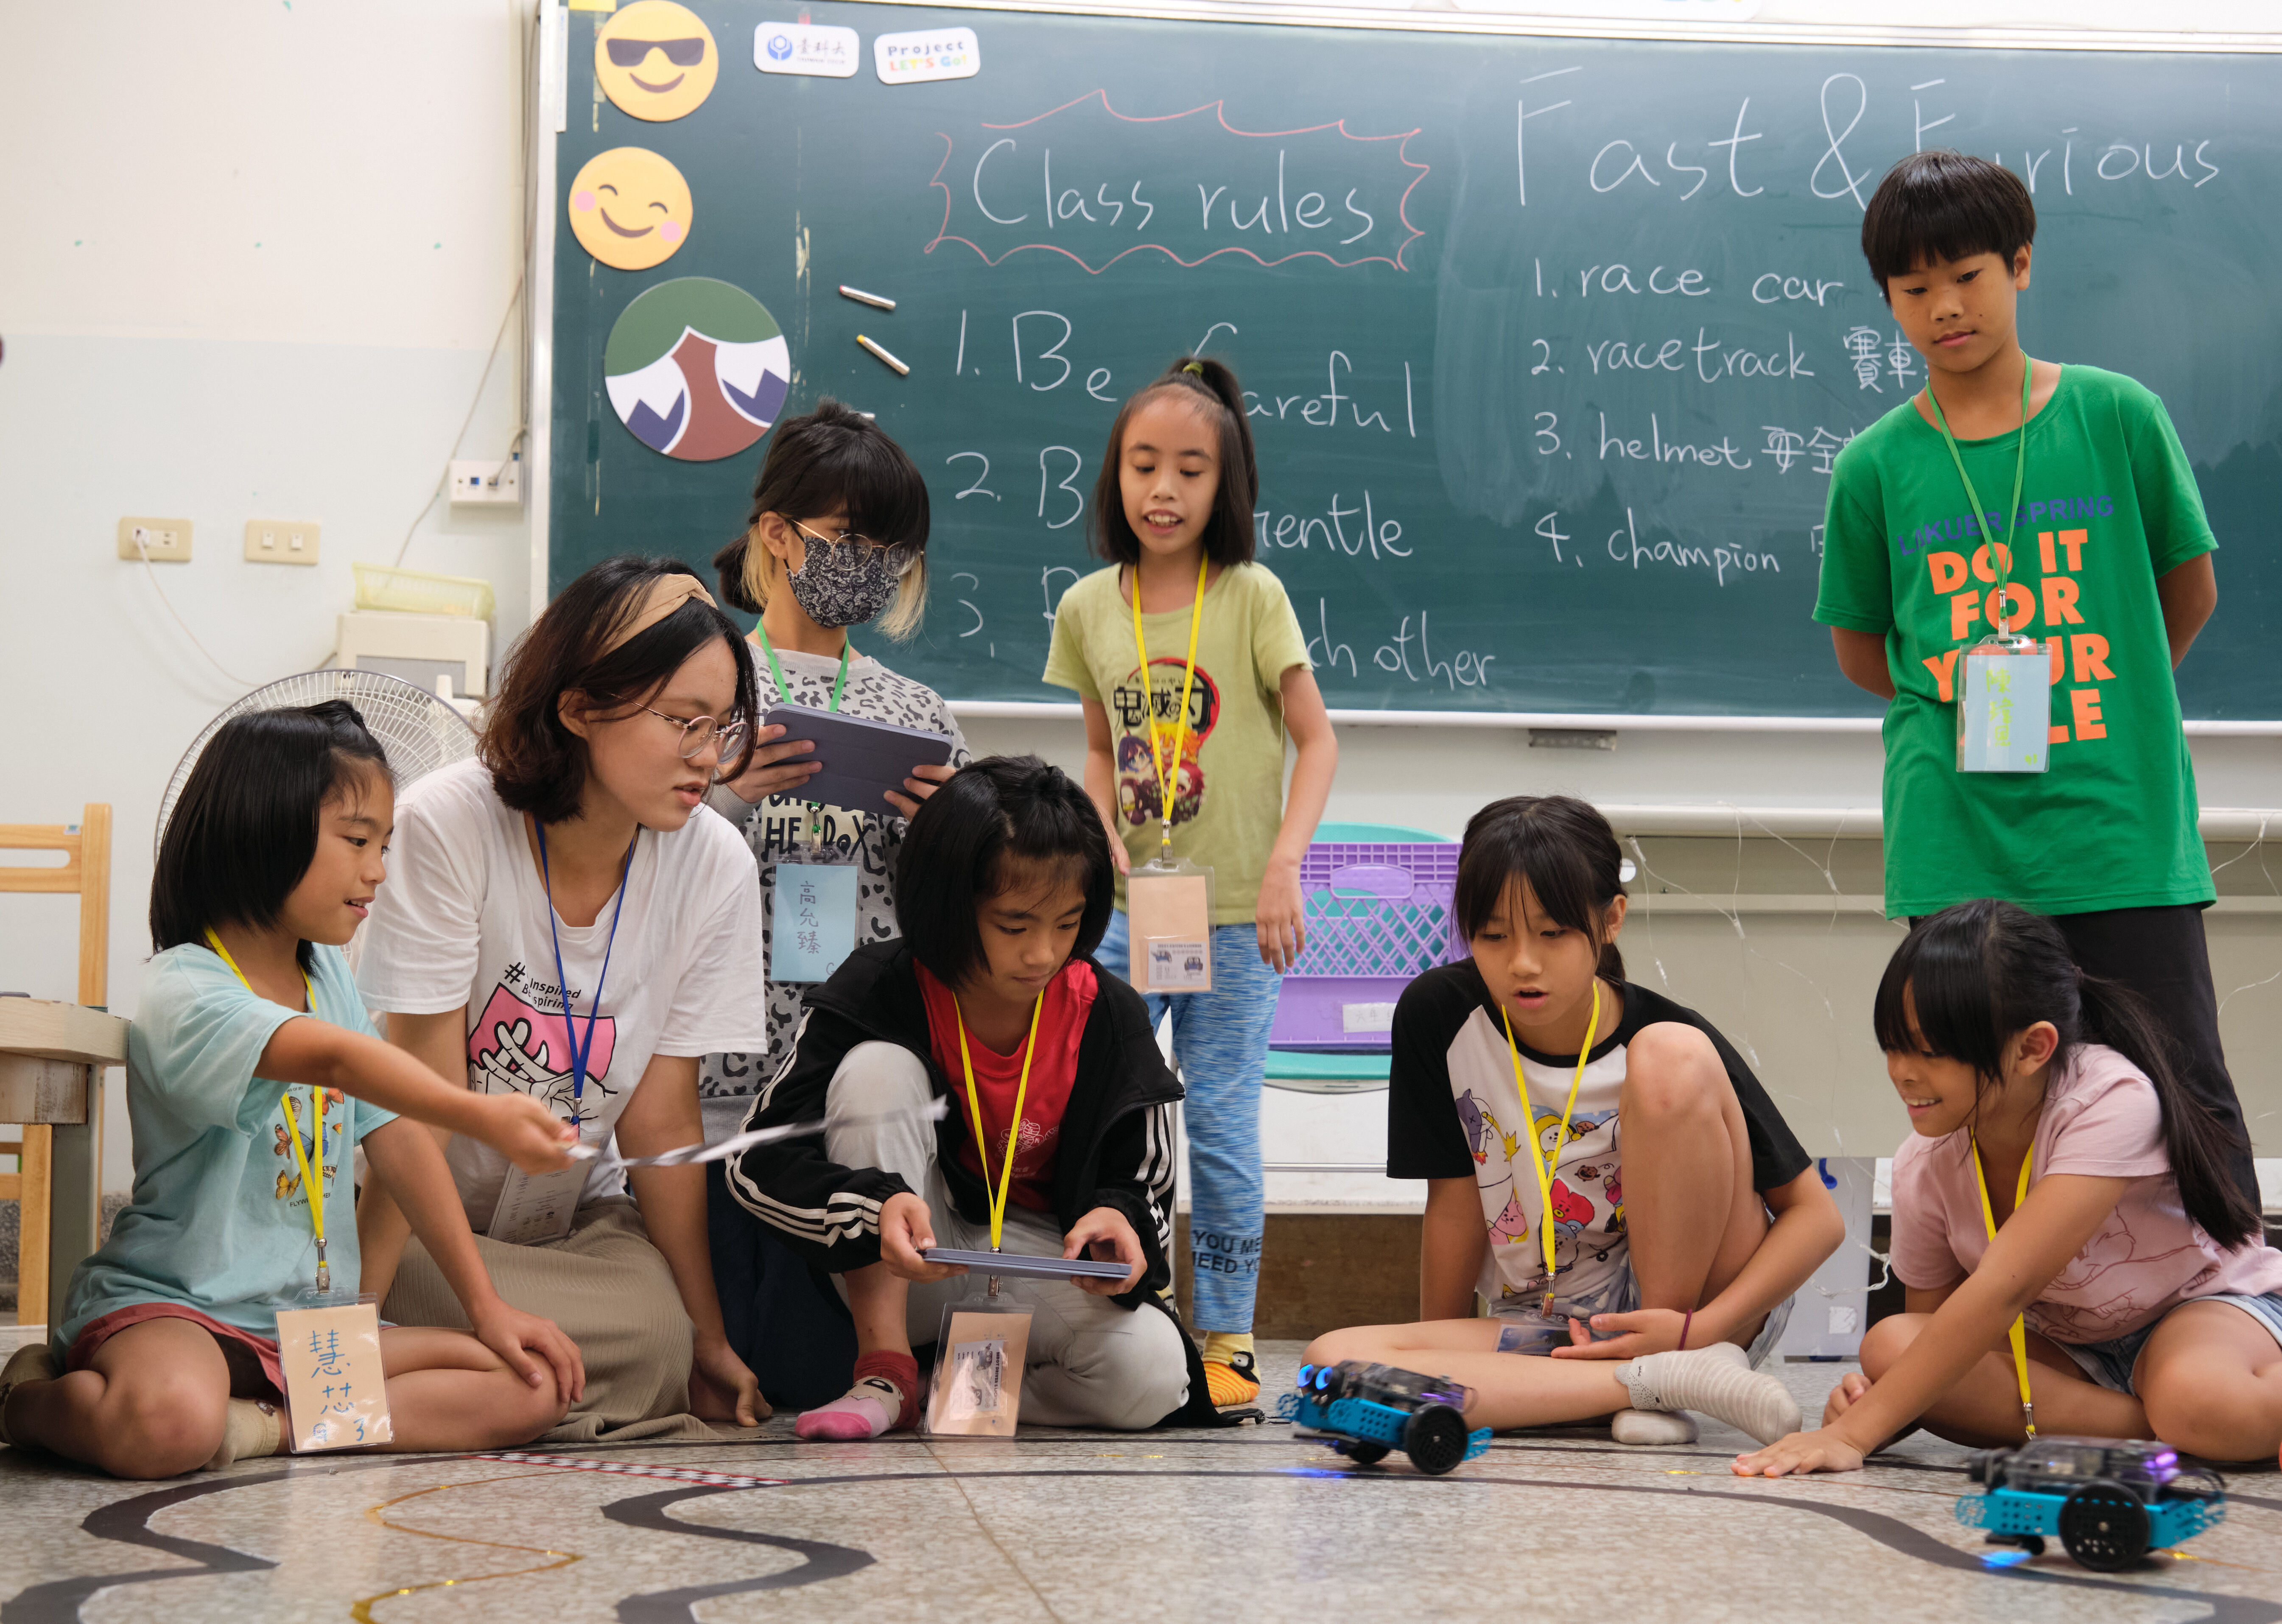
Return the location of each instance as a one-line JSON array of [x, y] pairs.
[[677, 1474]]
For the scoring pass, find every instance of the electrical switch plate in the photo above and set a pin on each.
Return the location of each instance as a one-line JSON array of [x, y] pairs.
[[162, 540], [280, 541], [486, 484]]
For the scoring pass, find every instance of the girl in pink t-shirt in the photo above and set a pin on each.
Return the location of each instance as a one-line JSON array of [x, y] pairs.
[[2152, 1309]]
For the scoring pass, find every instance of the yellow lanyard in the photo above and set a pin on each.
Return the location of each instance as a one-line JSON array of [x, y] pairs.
[[312, 1178], [2019, 1333], [1013, 1131], [1544, 1164], [1167, 780]]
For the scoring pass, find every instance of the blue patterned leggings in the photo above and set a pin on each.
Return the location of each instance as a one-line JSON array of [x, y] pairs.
[[1220, 1039]]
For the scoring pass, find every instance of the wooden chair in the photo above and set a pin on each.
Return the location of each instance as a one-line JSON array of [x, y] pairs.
[[86, 871]]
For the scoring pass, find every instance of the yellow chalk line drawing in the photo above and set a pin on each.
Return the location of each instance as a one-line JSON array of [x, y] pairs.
[[361, 1611]]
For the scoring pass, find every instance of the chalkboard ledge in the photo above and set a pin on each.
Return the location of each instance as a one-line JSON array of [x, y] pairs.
[[1600, 721]]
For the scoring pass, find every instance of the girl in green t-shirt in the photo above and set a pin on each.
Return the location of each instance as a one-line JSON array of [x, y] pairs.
[[171, 1361], [1184, 754]]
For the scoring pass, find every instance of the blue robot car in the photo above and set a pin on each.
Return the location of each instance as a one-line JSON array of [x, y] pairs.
[[1365, 1411]]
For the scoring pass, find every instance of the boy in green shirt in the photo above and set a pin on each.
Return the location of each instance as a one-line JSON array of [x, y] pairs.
[[2109, 561]]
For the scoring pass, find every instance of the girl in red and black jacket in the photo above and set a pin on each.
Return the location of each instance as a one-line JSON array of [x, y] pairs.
[[1003, 889]]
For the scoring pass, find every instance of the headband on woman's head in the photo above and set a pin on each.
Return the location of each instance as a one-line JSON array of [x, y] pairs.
[[667, 594]]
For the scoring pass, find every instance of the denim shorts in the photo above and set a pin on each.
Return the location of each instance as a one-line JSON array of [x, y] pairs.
[[2111, 1364], [1532, 1333]]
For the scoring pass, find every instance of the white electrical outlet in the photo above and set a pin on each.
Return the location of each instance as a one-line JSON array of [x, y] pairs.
[[160, 540], [486, 484], [281, 541]]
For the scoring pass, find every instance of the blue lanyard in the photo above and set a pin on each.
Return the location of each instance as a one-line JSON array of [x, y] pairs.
[[580, 1052]]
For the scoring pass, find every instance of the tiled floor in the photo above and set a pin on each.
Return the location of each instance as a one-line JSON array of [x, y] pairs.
[[1241, 1526]]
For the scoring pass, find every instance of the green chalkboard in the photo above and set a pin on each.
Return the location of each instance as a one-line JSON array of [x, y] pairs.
[[1552, 340]]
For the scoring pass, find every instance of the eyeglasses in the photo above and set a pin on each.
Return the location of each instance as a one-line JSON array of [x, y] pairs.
[[681, 53], [900, 557], [698, 732]]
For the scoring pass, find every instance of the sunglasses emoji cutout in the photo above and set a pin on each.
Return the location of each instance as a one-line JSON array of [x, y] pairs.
[[656, 61]]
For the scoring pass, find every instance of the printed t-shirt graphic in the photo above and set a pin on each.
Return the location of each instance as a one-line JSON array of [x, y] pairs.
[[519, 1047], [1452, 1112], [1140, 789], [2110, 505], [1228, 799], [463, 923], [998, 1078]]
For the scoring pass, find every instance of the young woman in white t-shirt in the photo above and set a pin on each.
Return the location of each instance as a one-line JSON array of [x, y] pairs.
[[836, 539], [573, 871]]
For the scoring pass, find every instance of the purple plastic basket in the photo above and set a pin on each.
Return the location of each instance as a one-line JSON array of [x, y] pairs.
[[1378, 913]]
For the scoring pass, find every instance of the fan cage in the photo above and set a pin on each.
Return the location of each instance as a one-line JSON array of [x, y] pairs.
[[418, 731]]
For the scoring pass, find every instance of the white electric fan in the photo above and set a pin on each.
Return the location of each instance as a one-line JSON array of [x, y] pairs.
[[418, 731]]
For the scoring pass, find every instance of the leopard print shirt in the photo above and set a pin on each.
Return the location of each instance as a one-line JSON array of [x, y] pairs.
[[773, 825]]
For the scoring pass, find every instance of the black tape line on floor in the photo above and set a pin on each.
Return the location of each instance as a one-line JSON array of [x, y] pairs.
[[822, 1562], [60, 1601]]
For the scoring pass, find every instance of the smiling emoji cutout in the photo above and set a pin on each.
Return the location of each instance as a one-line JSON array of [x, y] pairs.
[[630, 208], [657, 60]]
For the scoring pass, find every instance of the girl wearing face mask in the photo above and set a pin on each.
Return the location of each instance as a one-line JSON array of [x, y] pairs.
[[836, 539]]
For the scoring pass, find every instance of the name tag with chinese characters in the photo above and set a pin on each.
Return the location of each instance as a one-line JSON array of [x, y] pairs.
[[336, 1394], [812, 921], [2005, 708]]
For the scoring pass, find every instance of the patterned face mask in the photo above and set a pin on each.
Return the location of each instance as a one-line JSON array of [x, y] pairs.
[[844, 583]]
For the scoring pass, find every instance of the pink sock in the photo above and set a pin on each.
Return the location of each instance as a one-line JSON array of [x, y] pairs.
[[884, 1398]]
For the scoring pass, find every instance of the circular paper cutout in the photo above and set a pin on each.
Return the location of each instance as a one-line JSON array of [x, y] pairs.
[[696, 369], [630, 208], [657, 60]]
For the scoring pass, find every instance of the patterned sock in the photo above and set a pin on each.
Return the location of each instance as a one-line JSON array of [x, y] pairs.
[[1231, 1370], [1651, 1426], [250, 1430], [885, 1399], [1718, 1381]]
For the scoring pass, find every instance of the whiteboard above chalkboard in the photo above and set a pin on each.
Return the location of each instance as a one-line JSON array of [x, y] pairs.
[[1552, 340]]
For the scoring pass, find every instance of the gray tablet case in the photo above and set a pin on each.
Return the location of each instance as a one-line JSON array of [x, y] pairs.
[[1017, 1265], [863, 759]]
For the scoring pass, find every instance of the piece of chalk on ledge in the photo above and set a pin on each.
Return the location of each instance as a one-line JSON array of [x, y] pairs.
[[883, 355], [861, 297]]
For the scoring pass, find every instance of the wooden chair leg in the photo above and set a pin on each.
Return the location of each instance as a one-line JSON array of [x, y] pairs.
[[37, 1166]]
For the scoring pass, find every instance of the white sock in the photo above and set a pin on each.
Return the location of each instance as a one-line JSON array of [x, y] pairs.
[[250, 1430], [1650, 1426], [1718, 1381]]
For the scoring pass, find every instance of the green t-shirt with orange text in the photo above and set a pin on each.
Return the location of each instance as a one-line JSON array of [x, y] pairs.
[[2109, 504]]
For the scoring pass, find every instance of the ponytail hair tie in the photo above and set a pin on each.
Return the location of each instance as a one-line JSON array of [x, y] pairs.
[[1197, 366]]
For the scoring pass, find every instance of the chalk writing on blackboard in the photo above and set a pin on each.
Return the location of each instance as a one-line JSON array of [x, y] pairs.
[[1319, 192]]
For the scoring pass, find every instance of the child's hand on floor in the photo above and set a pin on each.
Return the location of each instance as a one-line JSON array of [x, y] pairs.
[[526, 1132], [515, 1336], [723, 1388], [1821, 1450], [906, 1229], [1845, 1397], [1105, 1226]]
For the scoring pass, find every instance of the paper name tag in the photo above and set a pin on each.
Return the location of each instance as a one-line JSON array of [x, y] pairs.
[[813, 925], [537, 1207], [978, 1375], [2005, 712], [1170, 925], [336, 1393]]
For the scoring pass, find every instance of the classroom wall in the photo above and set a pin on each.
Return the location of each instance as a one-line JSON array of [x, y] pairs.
[[257, 273]]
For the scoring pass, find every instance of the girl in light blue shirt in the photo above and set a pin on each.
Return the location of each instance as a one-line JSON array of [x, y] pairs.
[[168, 1341]]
